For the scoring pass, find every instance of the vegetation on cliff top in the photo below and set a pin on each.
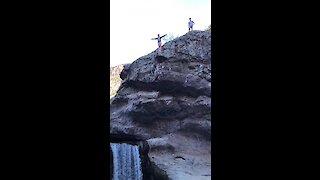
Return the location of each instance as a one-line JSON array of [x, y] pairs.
[[114, 84], [115, 79]]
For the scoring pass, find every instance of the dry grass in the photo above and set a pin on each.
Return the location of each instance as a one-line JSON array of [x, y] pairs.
[[115, 82]]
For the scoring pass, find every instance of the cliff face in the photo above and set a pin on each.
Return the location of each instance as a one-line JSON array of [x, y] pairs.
[[165, 99]]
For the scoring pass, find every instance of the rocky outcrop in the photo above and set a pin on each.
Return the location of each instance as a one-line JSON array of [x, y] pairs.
[[165, 100]]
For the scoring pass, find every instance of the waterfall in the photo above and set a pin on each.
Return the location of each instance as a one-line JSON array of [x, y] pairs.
[[126, 162]]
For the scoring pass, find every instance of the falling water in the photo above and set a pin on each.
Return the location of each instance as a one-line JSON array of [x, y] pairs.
[[126, 162]]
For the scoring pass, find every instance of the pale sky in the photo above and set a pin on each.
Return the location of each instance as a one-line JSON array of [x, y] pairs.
[[134, 22]]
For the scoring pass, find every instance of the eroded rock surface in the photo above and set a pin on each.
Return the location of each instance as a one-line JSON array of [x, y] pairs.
[[165, 99]]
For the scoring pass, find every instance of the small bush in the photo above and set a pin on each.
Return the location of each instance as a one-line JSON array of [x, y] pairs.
[[114, 84]]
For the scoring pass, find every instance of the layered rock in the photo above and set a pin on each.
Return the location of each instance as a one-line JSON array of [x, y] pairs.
[[165, 100]]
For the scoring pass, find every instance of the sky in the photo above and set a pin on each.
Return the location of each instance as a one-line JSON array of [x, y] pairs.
[[134, 22]]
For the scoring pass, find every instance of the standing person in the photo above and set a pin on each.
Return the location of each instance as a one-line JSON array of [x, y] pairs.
[[159, 40], [190, 24]]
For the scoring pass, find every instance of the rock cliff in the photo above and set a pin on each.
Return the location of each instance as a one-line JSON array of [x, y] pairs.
[[165, 100]]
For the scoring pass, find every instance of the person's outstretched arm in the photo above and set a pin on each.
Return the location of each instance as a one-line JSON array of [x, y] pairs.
[[154, 38], [163, 36]]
